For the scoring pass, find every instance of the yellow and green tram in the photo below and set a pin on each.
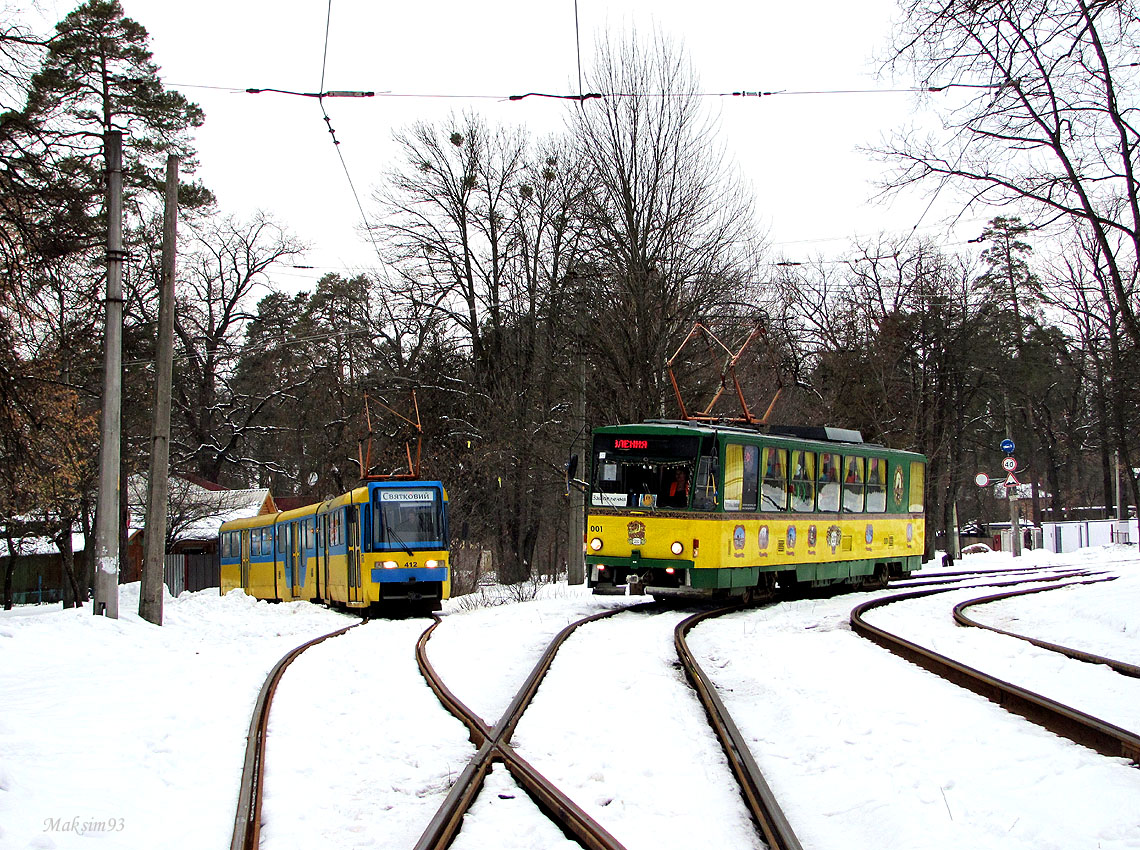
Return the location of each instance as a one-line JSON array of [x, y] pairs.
[[381, 546], [685, 508]]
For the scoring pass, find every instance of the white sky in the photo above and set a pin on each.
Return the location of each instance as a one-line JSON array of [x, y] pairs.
[[273, 152]]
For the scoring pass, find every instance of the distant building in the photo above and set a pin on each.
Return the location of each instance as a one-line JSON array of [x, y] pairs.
[[196, 510]]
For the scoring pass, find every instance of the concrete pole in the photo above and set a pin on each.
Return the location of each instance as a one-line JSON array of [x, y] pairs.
[[158, 482], [107, 526], [575, 555]]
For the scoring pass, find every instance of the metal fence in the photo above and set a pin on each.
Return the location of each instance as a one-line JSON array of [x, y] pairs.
[[191, 571]]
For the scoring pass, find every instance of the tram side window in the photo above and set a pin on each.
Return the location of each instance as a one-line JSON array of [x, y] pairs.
[[853, 484], [828, 481], [267, 541], [751, 488], [774, 486], [309, 541], [876, 485], [917, 485], [802, 483], [741, 477]]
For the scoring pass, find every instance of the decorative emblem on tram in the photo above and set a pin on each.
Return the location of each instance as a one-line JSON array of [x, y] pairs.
[[738, 538], [834, 537], [762, 538], [791, 537], [636, 532]]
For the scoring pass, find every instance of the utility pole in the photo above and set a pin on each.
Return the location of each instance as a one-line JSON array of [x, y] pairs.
[[575, 555], [158, 482], [107, 526]]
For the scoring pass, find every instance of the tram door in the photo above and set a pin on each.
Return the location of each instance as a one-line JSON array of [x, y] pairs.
[[352, 536], [323, 550], [245, 559], [300, 560], [290, 530]]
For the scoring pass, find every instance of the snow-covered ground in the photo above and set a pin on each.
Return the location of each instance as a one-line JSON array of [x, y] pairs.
[[131, 736]]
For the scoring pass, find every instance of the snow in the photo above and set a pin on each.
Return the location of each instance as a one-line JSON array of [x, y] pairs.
[[129, 735]]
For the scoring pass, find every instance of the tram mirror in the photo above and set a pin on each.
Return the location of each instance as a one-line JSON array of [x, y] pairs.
[[572, 468]]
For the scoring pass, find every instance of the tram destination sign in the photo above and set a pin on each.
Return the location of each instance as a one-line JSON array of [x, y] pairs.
[[645, 445]]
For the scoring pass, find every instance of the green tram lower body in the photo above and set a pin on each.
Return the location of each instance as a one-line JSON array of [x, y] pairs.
[[732, 554]]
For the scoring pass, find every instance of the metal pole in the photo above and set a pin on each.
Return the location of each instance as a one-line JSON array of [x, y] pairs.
[[158, 482], [1014, 520], [107, 527]]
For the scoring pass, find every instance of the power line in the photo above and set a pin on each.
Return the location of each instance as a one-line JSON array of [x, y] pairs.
[[581, 97]]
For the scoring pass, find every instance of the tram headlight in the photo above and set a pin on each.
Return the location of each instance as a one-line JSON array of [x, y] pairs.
[[677, 548], [432, 563], [390, 565], [596, 544]]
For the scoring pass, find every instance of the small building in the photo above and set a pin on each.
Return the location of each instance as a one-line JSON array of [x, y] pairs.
[[196, 511]]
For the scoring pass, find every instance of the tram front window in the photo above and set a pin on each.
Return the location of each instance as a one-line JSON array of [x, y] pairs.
[[642, 471], [406, 518]]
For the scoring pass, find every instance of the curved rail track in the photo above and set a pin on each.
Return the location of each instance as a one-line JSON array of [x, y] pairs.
[[758, 796], [960, 617], [493, 746], [247, 822], [1077, 726]]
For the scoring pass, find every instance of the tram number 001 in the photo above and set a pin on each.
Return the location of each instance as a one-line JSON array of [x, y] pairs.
[[595, 529]]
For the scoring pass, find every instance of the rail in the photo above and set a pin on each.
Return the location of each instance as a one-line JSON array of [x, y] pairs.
[[247, 821], [960, 617], [494, 746], [758, 795], [1063, 720]]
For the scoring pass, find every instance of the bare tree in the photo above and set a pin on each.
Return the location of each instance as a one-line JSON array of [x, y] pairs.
[[669, 231], [1046, 122], [226, 260]]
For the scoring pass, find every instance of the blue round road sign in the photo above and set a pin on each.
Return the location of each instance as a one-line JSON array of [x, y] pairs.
[[1007, 446]]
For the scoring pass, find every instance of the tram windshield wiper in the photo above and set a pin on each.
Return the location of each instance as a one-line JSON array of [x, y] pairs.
[[399, 540]]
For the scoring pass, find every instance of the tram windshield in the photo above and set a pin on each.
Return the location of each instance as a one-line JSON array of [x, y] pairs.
[[405, 518], [643, 471]]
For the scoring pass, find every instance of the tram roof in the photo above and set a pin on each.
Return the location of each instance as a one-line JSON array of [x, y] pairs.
[[813, 433]]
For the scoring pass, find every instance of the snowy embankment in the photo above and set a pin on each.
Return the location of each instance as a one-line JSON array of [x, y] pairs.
[[129, 733], [134, 735], [866, 750]]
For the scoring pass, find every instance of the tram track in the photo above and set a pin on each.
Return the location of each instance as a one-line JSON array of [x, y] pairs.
[[758, 796], [575, 822], [493, 742], [963, 619], [1080, 727], [247, 821]]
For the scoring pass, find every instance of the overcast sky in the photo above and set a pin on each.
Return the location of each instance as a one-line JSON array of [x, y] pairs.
[[273, 152]]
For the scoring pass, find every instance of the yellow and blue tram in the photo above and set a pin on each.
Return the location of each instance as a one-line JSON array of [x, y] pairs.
[[685, 508], [380, 546]]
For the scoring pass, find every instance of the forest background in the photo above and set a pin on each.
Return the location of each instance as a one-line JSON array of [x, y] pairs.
[[531, 288]]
